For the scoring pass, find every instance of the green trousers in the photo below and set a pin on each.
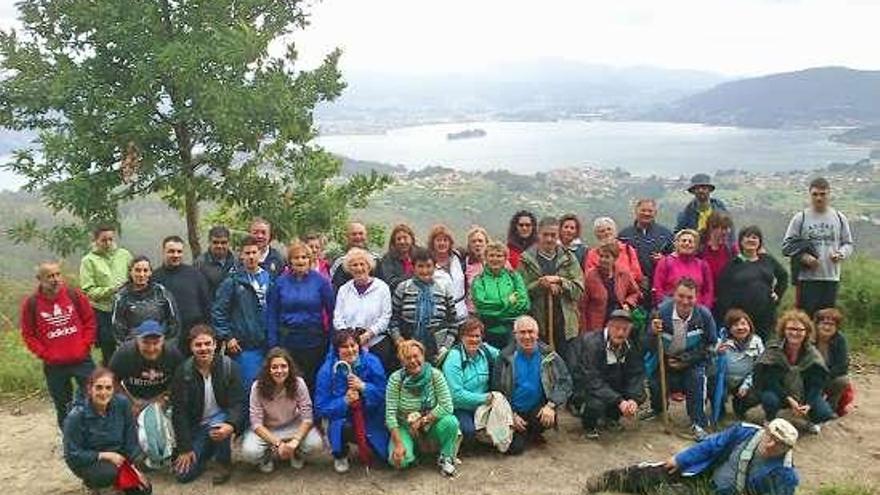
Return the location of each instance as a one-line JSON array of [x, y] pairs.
[[444, 432]]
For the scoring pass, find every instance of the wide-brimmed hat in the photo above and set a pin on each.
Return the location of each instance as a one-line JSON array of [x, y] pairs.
[[701, 180], [783, 431]]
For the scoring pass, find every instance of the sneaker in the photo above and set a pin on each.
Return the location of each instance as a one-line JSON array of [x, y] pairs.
[[592, 434], [224, 472], [814, 428], [447, 465], [297, 462], [266, 466], [699, 433], [341, 465]]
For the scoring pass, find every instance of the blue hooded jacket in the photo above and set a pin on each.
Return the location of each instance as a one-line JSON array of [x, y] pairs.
[[86, 433], [688, 218], [330, 401], [774, 477], [237, 313]]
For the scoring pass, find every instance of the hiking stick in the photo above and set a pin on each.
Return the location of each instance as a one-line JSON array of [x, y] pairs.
[[661, 357], [550, 328]]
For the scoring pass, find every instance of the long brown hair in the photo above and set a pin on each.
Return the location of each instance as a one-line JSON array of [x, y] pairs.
[[265, 383]]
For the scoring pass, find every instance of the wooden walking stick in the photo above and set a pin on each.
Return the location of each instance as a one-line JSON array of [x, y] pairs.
[[550, 327], [661, 357]]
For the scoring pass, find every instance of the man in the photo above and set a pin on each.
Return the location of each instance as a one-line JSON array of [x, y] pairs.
[[207, 402], [58, 327], [102, 272], [356, 237], [270, 258], [818, 239], [219, 261], [535, 381], [609, 374], [651, 241], [743, 459], [144, 369], [239, 312], [186, 284], [552, 275], [696, 212], [688, 333]]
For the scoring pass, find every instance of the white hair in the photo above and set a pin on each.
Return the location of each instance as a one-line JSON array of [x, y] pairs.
[[603, 221], [524, 321]]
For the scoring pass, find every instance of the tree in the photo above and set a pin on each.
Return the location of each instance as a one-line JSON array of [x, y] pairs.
[[178, 98]]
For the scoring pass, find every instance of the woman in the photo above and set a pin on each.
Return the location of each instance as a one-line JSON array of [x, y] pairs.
[[753, 281], [316, 243], [477, 238], [500, 296], [397, 266], [605, 230], [280, 416], [738, 349], [717, 248], [142, 299], [351, 395], [684, 263], [448, 259], [570, 236], [422, 308], [418, 409], [100, 437], [792, 374], [606, 288], [839, 391], [468, 371], [295, 307], [522, 232], [364, 303]]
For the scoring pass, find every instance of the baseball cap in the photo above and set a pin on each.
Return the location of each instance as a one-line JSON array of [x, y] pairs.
[[621, 314], [150, 328]]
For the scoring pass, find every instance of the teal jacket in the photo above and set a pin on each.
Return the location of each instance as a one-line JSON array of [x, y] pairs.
[[469, 378]]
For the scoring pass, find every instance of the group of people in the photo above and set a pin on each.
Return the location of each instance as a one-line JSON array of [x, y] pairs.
[[436, 348]]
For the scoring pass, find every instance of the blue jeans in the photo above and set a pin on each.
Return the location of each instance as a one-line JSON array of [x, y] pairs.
[[466, 423], [820, 411], [205, 449], [58, 381]]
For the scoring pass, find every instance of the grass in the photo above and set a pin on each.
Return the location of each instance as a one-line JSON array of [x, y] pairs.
[[20, 372], [847, 489]]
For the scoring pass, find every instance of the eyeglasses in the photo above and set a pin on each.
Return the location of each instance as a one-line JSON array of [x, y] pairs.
[[795, 329]]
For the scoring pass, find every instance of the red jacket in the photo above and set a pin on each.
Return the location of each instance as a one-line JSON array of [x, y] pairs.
[[57, 330], [595, 300]]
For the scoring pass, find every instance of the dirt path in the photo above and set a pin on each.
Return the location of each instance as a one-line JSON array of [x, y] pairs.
[[847, 451]]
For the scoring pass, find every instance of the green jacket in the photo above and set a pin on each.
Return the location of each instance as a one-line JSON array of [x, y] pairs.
[[572, 289], [491, 295], [101, 274]]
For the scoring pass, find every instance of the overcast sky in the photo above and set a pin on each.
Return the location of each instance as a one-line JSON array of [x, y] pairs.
[[733, 37]]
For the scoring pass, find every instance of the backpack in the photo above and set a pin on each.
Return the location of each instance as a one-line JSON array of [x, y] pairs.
[[32, 305]]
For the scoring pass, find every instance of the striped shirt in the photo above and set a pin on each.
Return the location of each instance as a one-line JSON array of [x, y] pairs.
[[400, 402], [443, 323]]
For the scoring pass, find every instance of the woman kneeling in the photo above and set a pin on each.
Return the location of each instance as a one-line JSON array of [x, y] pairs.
[[281, 416], [418, 410]]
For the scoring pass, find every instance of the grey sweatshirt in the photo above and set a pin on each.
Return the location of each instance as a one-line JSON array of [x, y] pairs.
[[828, 232]]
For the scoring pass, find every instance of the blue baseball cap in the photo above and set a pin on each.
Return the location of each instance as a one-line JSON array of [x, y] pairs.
[[150, 328]]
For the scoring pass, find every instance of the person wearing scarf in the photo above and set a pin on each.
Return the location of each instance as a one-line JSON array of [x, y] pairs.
[[423, 308], [350, 394], [742, 459], [792, 373], [418, 411]]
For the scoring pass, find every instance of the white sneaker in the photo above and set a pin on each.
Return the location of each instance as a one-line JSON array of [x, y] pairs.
[[447, 465], [699, 433], [341, 465], [814, 428], [267, 466], [296, 462]]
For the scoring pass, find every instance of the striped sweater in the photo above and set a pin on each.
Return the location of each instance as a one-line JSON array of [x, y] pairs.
[[443, 324], [400, 402]]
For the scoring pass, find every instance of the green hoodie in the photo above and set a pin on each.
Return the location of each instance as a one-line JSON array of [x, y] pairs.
[[101, 274], [491, 295]]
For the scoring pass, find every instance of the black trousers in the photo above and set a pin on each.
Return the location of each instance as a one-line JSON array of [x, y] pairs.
[[595, 410], [387, 353], [59, 382], [813, 295], [106, 338], [534, 429], [309, 361]]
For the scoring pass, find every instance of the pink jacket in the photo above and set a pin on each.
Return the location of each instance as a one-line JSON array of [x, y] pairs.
[[673, 267]]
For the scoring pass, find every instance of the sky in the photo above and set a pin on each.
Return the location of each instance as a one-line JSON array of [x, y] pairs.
[[731, 37]]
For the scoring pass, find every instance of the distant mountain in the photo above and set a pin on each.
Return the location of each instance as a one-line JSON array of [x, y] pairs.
[[825, 96]]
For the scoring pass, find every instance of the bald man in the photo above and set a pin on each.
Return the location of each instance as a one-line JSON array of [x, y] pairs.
[[356, 237], [58, 326]]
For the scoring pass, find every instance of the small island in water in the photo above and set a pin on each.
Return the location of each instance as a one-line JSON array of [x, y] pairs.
[[467, 134]]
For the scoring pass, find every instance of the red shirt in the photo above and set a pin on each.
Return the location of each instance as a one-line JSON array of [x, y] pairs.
[[58, 331]]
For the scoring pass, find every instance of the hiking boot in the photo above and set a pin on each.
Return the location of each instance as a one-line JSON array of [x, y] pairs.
[[592, 434], [647, 415], [341, 465], [266, 466], [297, 462], [224, 472], [699, 433], [814, 428], [447, 465]]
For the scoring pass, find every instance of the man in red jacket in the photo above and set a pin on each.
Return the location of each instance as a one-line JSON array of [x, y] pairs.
[[58, 326]]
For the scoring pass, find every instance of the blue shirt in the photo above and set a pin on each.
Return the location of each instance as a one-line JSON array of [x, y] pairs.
[[528, 392], [295, 307]]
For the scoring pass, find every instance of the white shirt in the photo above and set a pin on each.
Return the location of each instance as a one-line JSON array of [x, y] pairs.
[[370, 310], [679, 331], [211, 407]]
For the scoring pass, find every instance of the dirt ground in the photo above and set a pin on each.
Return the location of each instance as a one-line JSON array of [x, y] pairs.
[[847, 451]]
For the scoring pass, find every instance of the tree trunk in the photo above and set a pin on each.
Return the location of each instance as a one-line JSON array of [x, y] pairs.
[[191, 207]]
